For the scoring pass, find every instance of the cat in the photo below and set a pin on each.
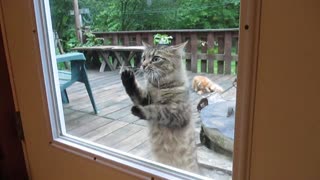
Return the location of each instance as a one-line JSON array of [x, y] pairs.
[[164, 103], [202, 84]]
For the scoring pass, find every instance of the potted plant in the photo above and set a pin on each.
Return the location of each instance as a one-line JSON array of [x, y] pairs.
[[162, 39]]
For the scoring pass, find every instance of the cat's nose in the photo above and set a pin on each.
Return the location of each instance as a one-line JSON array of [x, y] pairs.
[[143, 66]]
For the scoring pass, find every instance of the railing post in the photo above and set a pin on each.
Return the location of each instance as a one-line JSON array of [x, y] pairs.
[[178, 38], [203, 51], [138, 39], [150, 38], [226, 40], [105, 38], [194, 53], [210, 52], [220, 51], [137, 58], [236, 61], [126, 39], [115, 39], [227, 52]]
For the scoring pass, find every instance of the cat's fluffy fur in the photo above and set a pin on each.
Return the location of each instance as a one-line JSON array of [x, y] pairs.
[[202, 84], [164, 103]]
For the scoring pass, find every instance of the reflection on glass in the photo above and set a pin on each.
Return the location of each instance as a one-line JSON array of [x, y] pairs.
[[180, 118]]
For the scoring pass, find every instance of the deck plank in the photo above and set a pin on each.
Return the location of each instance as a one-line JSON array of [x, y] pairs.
[[113, 108], [104, 130], [121, 113], [116, 136], [90, 126], [142, 150], [130, 118], [74, 115], [132, 141], [82, 121]]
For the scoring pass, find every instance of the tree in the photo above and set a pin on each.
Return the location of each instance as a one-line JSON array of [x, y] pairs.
[[207, 14], [128, 15]]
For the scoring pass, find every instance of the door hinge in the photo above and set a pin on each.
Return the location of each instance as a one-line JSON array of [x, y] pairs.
[[19, 125]]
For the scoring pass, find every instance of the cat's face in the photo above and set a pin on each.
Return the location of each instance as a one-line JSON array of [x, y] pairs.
[[159, 62]]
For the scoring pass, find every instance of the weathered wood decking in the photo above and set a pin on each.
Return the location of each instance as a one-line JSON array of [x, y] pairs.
[[116, 127]]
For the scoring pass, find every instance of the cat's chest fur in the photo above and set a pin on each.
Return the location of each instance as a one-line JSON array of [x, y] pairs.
[[167, 95]]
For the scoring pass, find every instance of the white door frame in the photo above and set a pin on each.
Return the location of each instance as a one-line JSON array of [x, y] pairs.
[[26, 45]]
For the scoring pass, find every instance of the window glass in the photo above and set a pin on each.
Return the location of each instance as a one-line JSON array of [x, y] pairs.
[[126, 83]]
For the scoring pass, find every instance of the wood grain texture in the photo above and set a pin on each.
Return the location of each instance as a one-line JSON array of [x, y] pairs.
[[225, 38]]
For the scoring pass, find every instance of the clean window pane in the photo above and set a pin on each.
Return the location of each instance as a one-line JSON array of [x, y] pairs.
[[98, 47]]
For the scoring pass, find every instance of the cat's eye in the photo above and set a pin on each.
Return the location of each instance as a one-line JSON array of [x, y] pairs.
[[156, 59]]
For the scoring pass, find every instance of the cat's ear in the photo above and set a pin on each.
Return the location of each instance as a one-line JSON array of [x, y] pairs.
[[179, 48], [146, 44]]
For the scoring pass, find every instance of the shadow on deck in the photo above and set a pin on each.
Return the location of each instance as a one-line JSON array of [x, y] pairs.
[[117, 128]]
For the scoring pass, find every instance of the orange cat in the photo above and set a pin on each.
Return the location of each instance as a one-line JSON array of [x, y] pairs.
[[202, 84]]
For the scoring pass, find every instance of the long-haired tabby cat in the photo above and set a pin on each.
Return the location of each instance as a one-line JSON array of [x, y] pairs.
[[202, 84], [164, 103]]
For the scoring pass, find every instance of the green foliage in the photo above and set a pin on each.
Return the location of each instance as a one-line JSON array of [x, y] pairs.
[[207, 14], [115, 15], [192, 14], [126, 15], [62, 22], [121, 15], [162, 39], [91, 40], [70, 40]]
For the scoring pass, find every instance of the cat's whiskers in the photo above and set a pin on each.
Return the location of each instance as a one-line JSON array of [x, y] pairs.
[[138, 72]]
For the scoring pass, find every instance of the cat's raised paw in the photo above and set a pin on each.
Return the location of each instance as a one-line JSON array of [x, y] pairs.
[[127, 77], [137, 111]]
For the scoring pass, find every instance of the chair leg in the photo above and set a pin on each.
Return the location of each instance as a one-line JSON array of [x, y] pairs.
[[87, 84], [64, 97]]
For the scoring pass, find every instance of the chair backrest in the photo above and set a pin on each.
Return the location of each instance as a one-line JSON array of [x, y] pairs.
[[77, 65], [70, 57]]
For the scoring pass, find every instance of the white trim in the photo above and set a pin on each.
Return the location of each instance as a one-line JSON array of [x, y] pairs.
[[49, 67], [118, 159]]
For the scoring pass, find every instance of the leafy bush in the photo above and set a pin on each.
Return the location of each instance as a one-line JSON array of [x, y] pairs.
[[162, 39], [91, 40]]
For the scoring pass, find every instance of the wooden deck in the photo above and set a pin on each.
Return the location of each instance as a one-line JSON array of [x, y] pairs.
[[116, 127]]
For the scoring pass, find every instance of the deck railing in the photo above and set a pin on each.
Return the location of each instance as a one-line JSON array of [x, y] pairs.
[[208, 50]]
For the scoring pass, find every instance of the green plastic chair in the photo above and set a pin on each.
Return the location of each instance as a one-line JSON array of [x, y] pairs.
[[77, 73]]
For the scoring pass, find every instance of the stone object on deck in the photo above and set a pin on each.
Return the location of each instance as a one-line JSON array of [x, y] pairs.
[[217, 124]]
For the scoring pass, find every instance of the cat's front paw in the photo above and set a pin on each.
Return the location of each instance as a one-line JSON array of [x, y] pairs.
[[127, 77], [138, 111]]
